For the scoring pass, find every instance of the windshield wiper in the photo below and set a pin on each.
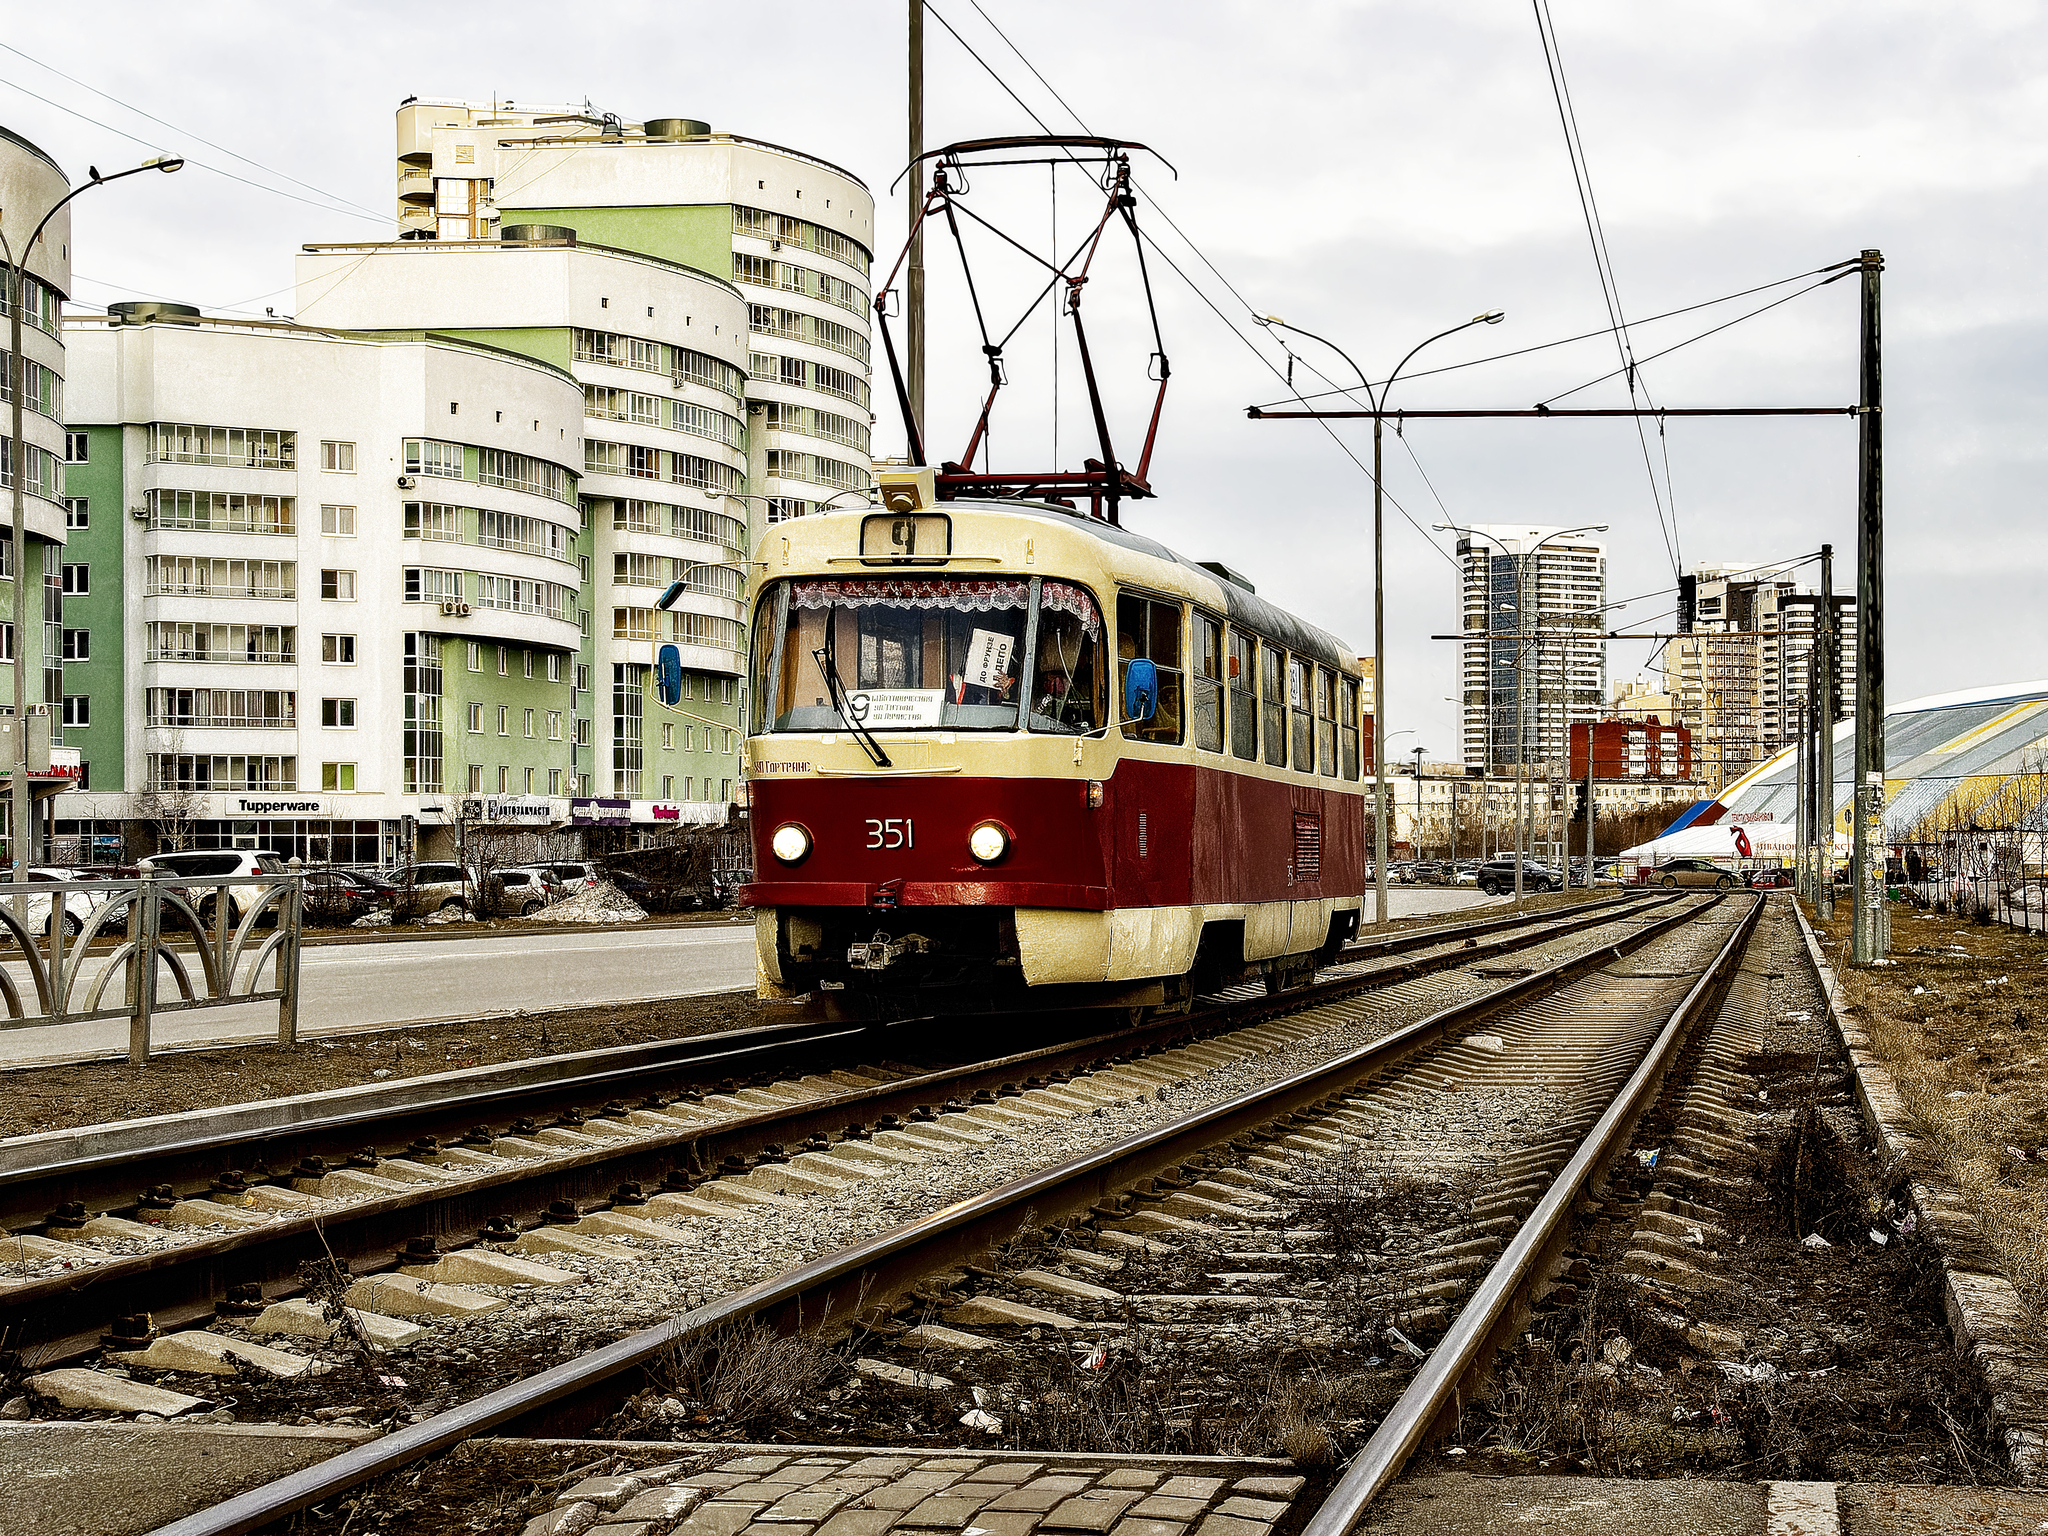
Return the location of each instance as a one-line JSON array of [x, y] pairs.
[[828, 666]]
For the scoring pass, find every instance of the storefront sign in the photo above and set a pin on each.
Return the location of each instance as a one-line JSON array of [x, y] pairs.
[[527, 811], [599, 812], [246, 805], [661, 810]]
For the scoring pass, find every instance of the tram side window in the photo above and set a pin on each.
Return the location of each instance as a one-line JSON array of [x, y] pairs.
[[1273, 702], [1068, 680], [1326, 722], [1300, 678], [1207, 684], [1347, 726], [1244, 695], [1149, 629]]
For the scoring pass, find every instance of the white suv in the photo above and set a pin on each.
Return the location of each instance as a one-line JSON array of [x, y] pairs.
[[204, 869]]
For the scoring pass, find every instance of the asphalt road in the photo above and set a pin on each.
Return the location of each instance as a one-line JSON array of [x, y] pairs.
[[357, 986]]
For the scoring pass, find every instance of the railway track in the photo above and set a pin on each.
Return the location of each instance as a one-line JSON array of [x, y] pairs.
[[1573, 1049], [176, 1227]]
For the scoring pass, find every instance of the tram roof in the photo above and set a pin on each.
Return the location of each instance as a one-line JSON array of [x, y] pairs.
[[1240, 606]]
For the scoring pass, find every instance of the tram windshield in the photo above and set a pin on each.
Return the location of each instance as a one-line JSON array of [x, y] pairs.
[[946, 653]]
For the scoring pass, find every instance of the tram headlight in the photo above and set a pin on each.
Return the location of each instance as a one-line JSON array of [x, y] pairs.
[[988, 842], [791, 843]]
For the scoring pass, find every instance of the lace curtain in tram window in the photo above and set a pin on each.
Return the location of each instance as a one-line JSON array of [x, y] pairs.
[[1061, 597], [875, 592]]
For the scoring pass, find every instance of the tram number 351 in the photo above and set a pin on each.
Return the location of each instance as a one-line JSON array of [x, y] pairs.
[[896, 832]]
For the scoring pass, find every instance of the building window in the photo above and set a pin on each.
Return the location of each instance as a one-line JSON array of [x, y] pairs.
[[689, 738], [504, 719], [554, 781], [502, 655], [77, 709], [668, 786], [583, 676], [338, 649], [77, 580], [529, 725], [338, 458], [232, 447], [427, 584], [526, 659], [554, 725], [627, 703], [423, 739], [529, 781], [554, 667], [338, 522], [74, 512], [77, 645], [476, 777], [424, 456], [476, 657], [433, 520], [338, 714], [476, 719], [77, 447], [504, 778], [668, 741], [340, 777], [338, 586]]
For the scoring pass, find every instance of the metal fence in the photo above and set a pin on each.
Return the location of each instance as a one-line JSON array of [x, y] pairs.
[[139, 949]]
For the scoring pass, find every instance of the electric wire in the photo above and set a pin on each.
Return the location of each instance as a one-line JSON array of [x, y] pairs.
[[1566, 341], [1176, 268], [1676, 346], [1596, 235], [188, 134], [326, 207]]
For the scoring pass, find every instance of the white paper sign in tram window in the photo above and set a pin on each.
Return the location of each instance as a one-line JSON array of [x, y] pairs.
[[988, 658], [881, 708]]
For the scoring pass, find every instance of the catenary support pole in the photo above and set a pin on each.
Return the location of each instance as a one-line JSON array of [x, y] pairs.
[[913, 278], [1870, 939], [1824, 758], [1379, 684], [1800, 753]]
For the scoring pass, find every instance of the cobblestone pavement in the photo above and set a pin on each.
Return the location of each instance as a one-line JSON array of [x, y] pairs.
[[851, 1492]]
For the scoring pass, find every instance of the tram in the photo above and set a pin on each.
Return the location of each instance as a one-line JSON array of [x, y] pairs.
[[1006, 755]]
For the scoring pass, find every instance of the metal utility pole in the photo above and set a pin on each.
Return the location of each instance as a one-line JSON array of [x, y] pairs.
[[1824, 755], [1590, 733], [1870, 938], [913, 282], [1802, 750]]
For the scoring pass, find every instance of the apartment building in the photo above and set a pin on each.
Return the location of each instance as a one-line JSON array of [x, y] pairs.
[[319, 583], [1740, 669], [31, 182], [599, 360], [1532, 606]]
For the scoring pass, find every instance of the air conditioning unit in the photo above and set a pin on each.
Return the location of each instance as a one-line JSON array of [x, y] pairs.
[[140, 514], [447, 610], [407, 482], [462, 610]]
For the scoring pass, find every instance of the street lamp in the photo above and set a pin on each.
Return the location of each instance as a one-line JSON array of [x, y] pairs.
[[17, 382], [1524, 819], [1378, 401]]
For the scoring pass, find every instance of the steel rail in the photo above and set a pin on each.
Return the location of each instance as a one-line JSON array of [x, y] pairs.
[[181, 1283], [1464, 1351], [113, 1168], [836, 1286]]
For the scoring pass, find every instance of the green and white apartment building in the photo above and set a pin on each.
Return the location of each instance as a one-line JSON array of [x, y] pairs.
[[390, 568], [30, 184]]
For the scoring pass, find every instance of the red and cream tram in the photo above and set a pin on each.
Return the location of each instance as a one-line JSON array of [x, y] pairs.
[[1004, 754]]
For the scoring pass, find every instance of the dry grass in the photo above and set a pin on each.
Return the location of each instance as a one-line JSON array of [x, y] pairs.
[[1960, 1022]]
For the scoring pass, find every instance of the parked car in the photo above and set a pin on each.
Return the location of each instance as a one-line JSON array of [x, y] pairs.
[[523, 890], [1497, 877], [78, 906], [343, 895], [577, 875], [1427, 872], [1770, 879], [1465, 872], [204, 869], [1676, 872], [418, 889]]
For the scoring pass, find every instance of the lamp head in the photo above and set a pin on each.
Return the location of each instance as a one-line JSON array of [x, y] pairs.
[[1491, 317], [165, 163]]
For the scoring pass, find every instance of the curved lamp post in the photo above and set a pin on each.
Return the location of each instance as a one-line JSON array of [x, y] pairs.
[[1379, 586], [17, 380]]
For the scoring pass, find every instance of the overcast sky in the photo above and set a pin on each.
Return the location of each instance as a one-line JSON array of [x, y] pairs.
[[1373, 172]]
